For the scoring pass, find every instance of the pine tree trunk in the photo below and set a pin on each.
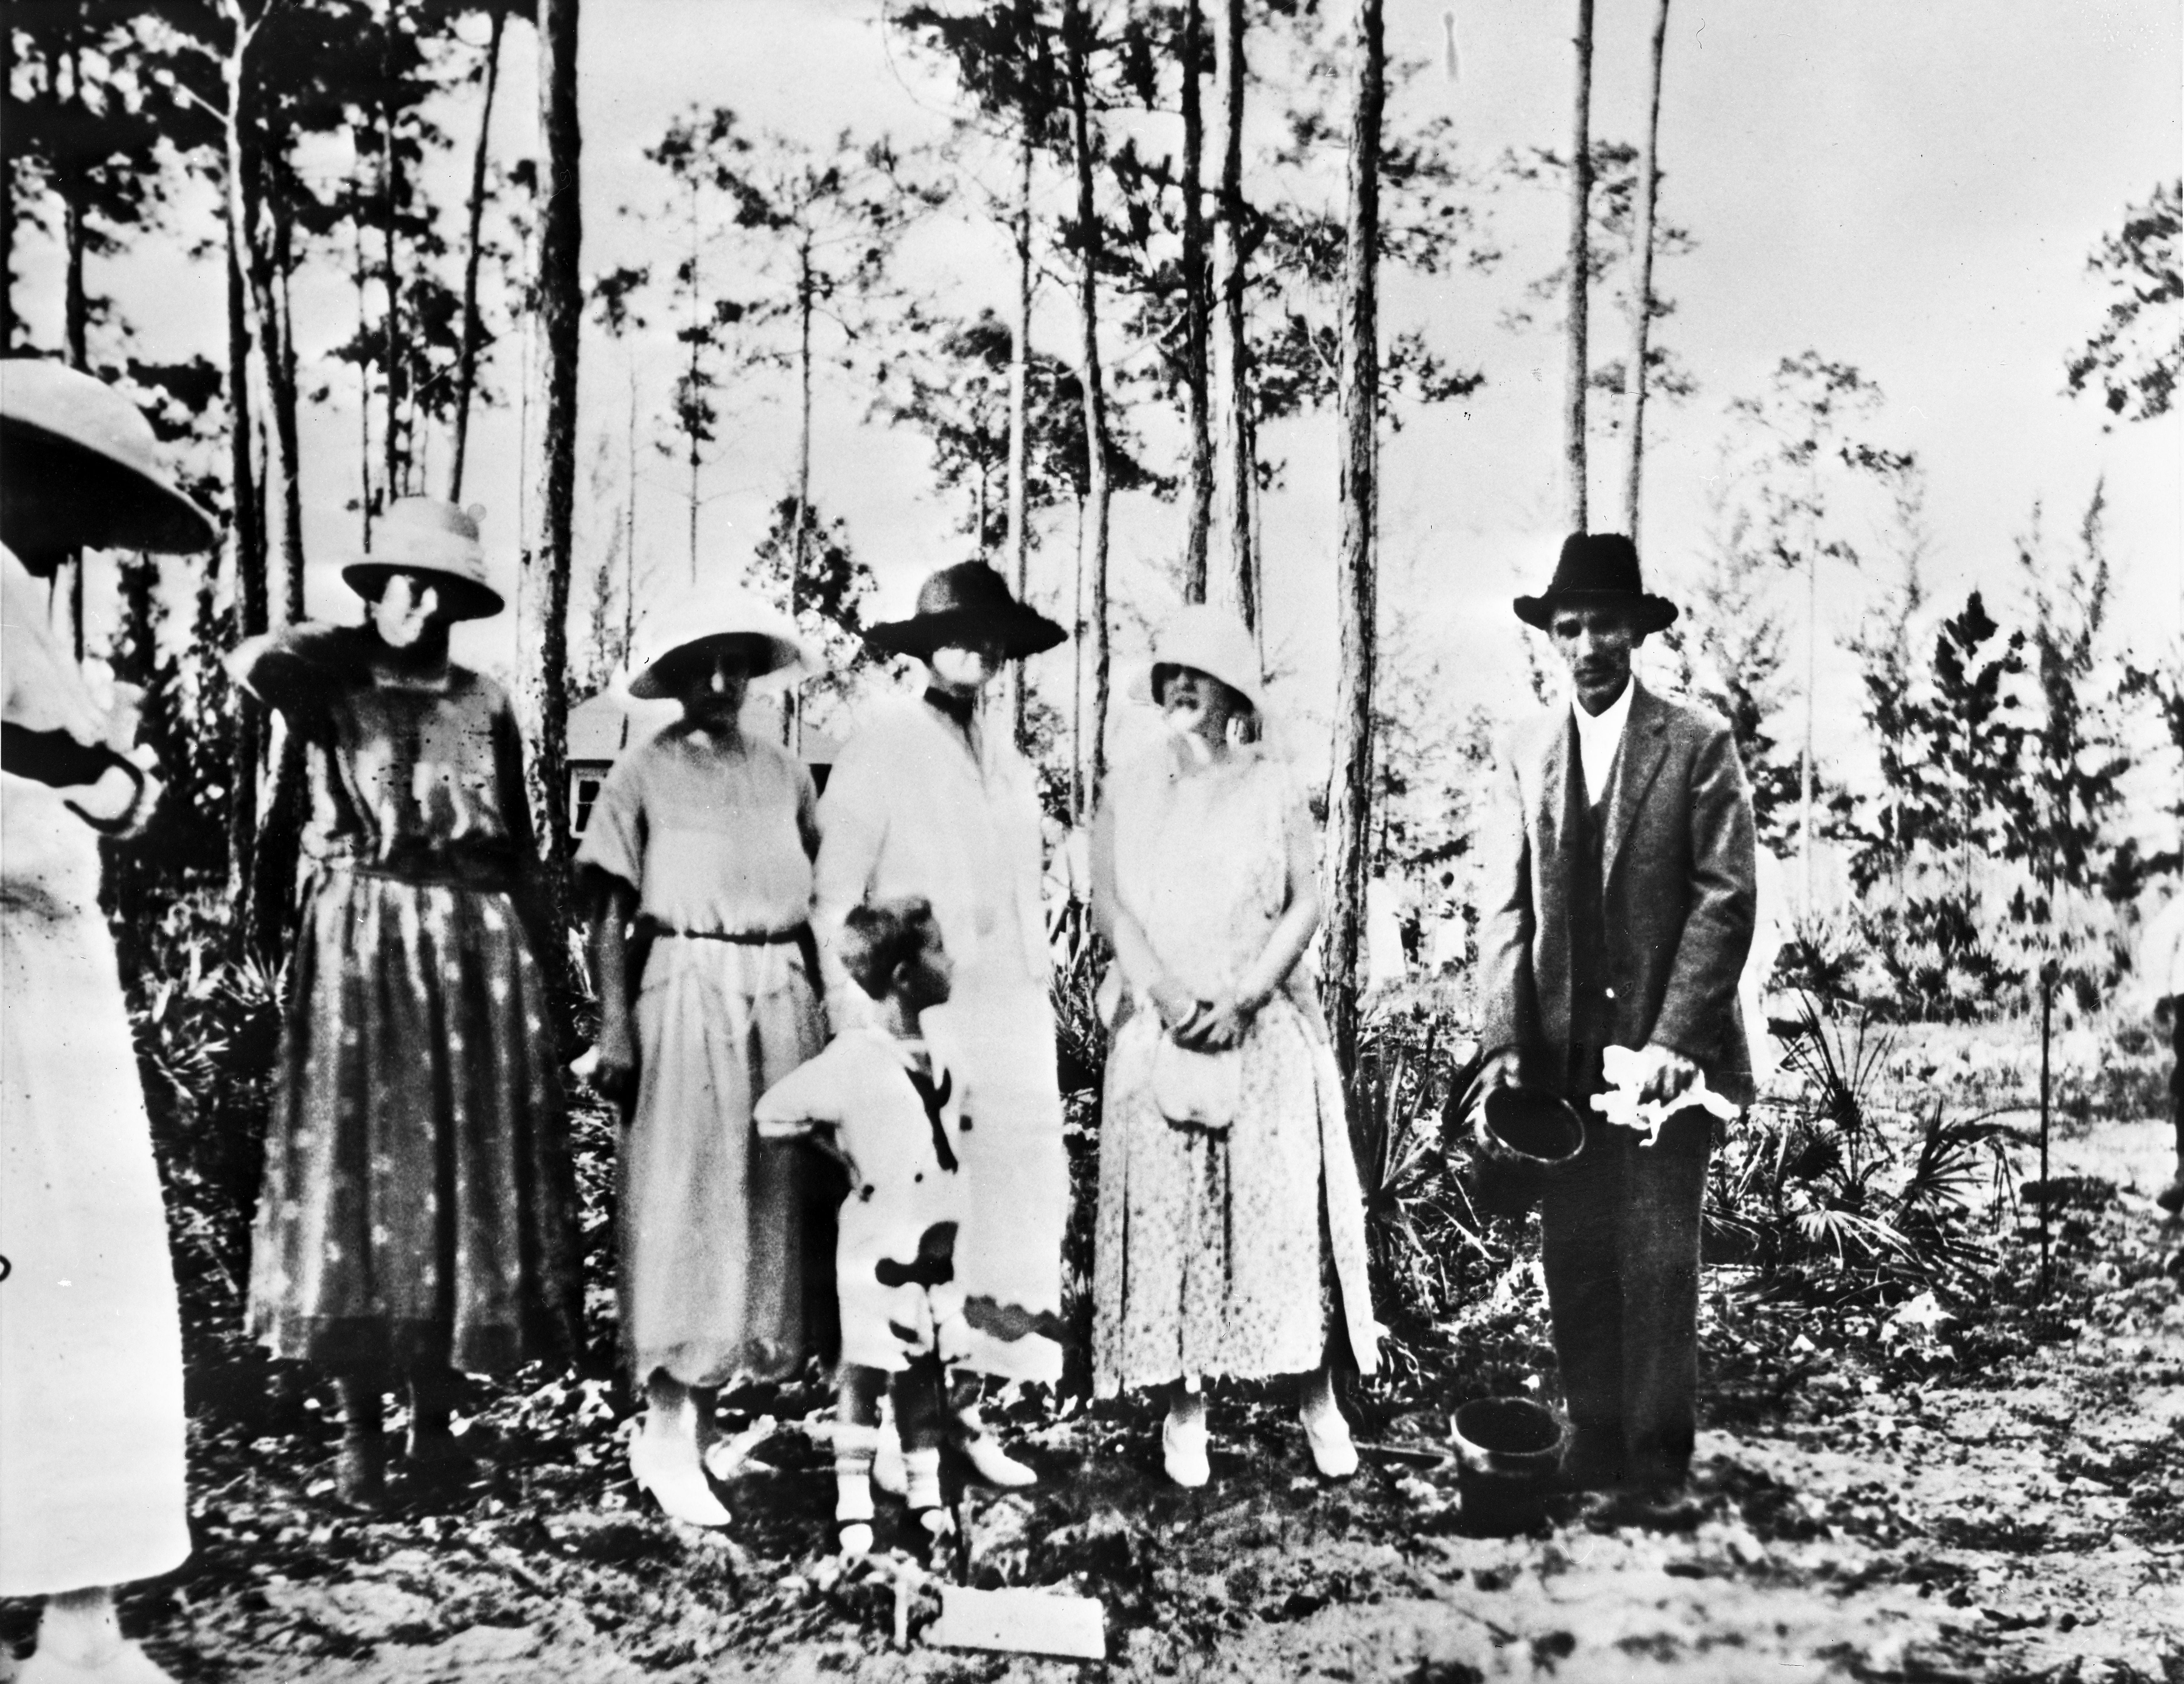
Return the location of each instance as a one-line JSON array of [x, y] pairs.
[[547, 561], [1641, 306], [1020, 355], [248, 551], [801, 549], [278, 355], [1200, 495], [1230, 545], [1360, 381], [7, 203], [1076, 27], [1579, 367], [473, 250], [75, 311], [390, 340]]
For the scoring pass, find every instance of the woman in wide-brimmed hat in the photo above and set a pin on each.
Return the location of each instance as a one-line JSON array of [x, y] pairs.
[[417, 1216], [930, 799], [90, 1357], [1231, 1233], [698, 857]]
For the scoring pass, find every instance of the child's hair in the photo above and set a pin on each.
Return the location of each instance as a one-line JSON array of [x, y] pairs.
[[878, 938]]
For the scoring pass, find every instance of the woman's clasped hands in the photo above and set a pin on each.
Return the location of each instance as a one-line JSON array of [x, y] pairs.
[[1202, 1026]]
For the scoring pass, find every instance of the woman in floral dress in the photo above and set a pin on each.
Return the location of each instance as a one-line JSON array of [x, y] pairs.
[[1231, 1237], [416, 1218]]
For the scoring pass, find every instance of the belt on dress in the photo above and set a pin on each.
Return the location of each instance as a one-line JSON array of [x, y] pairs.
[[800, 936], [742, 938]]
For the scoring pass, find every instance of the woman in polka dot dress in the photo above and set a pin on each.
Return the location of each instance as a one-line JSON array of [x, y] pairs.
[[416, 1214]]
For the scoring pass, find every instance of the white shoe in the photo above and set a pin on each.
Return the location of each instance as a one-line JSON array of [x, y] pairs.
[[676, 1479], [854, 1537], [127, 1665], [993, 1464], [1327, 1436], [1183, 1448]]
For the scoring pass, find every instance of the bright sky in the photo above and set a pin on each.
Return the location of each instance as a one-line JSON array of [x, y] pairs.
[[1912, 189]]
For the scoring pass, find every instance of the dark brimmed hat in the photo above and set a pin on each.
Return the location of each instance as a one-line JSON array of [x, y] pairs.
[[80, 436], [424, 534], [965, 604], [1600, 568]]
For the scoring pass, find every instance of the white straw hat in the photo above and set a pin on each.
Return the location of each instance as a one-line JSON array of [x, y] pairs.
[[423, 535], [1209, 640], [690, 625], [85, 439]]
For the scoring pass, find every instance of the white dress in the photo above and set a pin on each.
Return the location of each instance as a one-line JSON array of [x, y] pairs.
[[91, 1354], [910, 810]]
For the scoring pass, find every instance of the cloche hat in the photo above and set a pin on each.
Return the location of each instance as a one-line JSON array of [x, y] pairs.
[[423, 535], [694, 625], [63, 426], [963, 604], [1209, 640], [1597, 567]]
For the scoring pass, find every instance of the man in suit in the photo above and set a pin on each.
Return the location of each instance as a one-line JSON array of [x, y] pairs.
[[1618, 910]]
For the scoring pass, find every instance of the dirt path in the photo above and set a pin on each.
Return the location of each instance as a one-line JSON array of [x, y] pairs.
[[2023, 1520]]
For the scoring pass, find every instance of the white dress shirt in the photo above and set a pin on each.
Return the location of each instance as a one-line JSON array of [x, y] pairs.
[[1598, 736]]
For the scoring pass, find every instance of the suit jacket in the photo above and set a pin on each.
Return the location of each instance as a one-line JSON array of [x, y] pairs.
[[1677, 893]]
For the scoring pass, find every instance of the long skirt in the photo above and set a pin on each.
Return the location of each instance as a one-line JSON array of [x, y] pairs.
[[726, 1239], [998, 1042], [1239, 1253], [90, 1346], [418, 1204]]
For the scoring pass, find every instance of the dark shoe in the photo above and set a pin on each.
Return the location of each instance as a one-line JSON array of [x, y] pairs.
[[360, 1476], [437, 1462], [2170, 1199]]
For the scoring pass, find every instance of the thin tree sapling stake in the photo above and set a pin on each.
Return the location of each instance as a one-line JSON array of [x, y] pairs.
[[1641, 305]]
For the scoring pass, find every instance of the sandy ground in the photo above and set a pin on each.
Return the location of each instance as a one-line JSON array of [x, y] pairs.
[[2023, 1519]]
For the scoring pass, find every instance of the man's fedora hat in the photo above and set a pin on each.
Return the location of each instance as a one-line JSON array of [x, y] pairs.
[[423, 535], [1209, 640], [1597, 568], [694, 626], [967, 604], [81, 437]]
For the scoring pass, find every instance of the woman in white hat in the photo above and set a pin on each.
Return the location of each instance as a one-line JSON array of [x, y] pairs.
[[417, 1214], [698, 854], [930, 799], [1231, 1234], [91, 1358]]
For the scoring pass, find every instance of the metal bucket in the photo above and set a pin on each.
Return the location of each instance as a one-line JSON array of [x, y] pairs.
[[1508, 1452], [1522, 1136]]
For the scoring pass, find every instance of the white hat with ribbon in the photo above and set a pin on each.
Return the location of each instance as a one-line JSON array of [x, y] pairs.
[[694, 626]]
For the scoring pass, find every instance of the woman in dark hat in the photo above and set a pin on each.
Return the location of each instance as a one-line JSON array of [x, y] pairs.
[[930, 799], [417, 1217], [91, 1354]]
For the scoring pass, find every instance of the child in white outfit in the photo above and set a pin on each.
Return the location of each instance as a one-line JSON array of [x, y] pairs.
[[881, 1100]]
